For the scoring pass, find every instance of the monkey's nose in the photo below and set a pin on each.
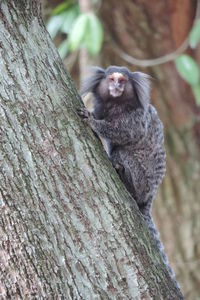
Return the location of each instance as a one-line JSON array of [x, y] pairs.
[[116, 84]]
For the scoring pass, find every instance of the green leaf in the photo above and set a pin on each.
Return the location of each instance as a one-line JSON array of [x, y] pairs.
[[70, 17], [196, 93], [63, 48], [194, 37], [188, 69], [54, 24], [60, 8], [78, 32], [94, 35]]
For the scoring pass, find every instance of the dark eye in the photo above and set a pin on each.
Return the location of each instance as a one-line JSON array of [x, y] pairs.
[[121, 81]]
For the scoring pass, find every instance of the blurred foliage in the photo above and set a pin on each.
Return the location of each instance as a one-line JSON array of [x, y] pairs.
[[85, 30], [186, 65], [81, 29]]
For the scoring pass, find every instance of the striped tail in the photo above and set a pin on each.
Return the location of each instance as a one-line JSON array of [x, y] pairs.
[[146, 212]]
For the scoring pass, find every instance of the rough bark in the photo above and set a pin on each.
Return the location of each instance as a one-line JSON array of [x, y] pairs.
[[145, 30], [68, 228]]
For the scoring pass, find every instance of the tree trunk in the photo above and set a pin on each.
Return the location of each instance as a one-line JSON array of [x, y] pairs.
[[150, 29], [68, 228]]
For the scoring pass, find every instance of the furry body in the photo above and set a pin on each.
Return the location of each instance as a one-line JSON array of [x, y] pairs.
[[133, 132]]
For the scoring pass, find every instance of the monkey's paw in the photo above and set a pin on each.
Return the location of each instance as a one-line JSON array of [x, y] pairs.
[[83, 113], [118, 167]]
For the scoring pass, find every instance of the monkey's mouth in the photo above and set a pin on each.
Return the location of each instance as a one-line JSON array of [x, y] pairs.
[[115, 92]]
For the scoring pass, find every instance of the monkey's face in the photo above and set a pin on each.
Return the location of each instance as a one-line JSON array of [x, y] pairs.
[[116, 84]]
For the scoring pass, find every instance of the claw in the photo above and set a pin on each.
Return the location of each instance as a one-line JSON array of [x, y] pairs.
[[82, 112], [118, 167]]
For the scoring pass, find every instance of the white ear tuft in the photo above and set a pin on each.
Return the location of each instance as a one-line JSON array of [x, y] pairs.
[[141, 83]]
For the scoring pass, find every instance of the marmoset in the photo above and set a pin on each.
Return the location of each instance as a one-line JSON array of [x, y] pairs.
[[133, 132]]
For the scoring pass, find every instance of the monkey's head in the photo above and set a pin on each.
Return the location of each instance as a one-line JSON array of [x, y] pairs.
[[119, 84]]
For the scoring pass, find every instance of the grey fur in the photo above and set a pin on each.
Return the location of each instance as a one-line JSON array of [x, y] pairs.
[[134, 135], [142, 86], [91, 83]]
